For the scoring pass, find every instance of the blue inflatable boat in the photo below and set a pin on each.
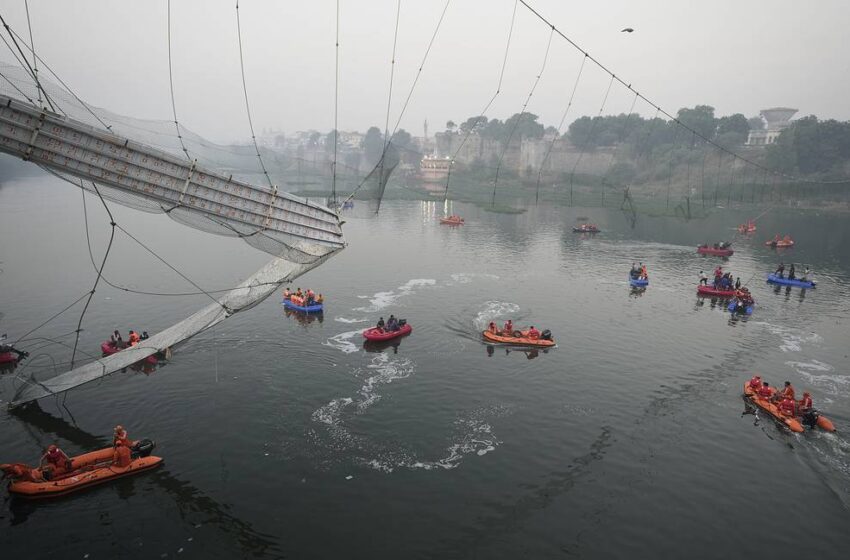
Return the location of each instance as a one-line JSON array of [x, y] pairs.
[[774, 279], [315, 308], [733, 305], [639, 282]]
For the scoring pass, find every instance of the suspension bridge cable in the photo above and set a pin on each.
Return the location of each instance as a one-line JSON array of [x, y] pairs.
[[72, 304], [670, 171], [521, 114], [589, 137], [29, 67], [97, 279], [487, 106], [32, 42], [407, 100], [247, 105], [560, 126], [664, 112], [19, 90], [617, 147], [171, 87], [336, 108], [389, 105]]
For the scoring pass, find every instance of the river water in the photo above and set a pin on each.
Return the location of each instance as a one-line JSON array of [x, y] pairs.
[[285, 437]]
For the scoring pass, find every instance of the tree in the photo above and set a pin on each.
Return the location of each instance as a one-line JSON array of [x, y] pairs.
[[756, 123], [526, 126], [473, 123], [733, 123], [700, 118], [314, 139], [373, 145], [451, 126]]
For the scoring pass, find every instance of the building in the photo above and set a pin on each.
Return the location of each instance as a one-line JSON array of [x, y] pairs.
[[434, 169], [777, 119]]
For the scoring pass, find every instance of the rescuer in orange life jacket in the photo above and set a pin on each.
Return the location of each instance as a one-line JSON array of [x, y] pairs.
[[786, 406], [533, 333], [805, 404], [121, 457], [134, 338], [766, 391], [755, 383], [493, 328], [508, 329], [786, 393], [56, 460]]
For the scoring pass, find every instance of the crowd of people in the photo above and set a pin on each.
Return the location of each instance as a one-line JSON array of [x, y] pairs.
[[55, 463], [133, 338], [303, 299], [508, 330], [785, 399], [722, 280], [391, 325]]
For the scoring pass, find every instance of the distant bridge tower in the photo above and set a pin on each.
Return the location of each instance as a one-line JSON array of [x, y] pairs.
[[426, 129], [777, 119]]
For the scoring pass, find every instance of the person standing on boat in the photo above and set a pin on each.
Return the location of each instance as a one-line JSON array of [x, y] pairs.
[[738, 283], [703, 278], [643, 274], [805, 276], [286, 293], [493, 328], [508, 329], [791, 271], [121, 457], [634, 271], [392, 323], [119, 434], [380, 324], [780, 271]]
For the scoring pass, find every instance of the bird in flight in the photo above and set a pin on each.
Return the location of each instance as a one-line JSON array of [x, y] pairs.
[[627, 30]]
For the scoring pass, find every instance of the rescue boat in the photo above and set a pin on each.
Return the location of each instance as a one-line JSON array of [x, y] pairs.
[[717, 252], [714, 292], [108, 348], [639, 282], [781, 244], [452, 220], [733, 308], [774, 279], [375, 334], [519, 338], [87, 470], [794, 423], [586, 228], [299, 304]]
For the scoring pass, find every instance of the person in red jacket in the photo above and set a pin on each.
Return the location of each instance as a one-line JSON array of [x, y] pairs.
[[755, 383], [121, 457], [533, 333], [508, 329], [786, 406], [766, 391], [786, 393], [804, 405], [55, 461]]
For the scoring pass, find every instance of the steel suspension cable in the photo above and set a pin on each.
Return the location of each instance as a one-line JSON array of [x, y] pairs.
[[560, 126], [589, 137], [336, 109], [617, 147], [32, 42], [521, 113], [171, 87], [487, 106], [247, 104], [28, 66], [389, 105]]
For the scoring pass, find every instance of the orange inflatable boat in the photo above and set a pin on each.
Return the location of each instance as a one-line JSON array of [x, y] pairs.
[[794, 423], [88, 469], [519, 338]]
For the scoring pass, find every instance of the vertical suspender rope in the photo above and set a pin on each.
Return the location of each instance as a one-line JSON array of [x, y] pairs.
[[589, 137], [336, 110], [173, 104], [560, 126], [521, 114], [389, 104], [32, 44], [481, 114], [617, 146]]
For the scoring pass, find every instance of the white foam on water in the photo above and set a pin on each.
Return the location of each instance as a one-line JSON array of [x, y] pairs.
[[386, 371], [346, 320], [382, 300], [816, 373], [331, 412], [469, 277], [492, 310], [342, 342], [792, 340]]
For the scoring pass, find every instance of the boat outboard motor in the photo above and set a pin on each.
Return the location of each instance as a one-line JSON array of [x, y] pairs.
[[810, 418], [143, 448], [402, 322], [546, 335]]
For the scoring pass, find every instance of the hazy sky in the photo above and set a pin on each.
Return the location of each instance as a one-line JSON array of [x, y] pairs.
[[738, 55]]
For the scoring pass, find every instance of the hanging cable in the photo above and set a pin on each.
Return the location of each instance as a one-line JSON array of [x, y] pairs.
[[487, 106], [171, 86], [72, 304], [670, 171], [28, 66], [389, 104], [247, 105], [560, 127], [97, 279], [617, 147], [671, 117], [336, 109], [407, 100], [521, 113], [589, 137], [32, 42]]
